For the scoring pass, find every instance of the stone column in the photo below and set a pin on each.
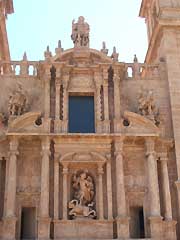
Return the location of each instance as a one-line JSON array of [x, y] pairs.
[[44, 220], [122, 218], [106, 102], [65, 109], [152, 177], [57, 117], [98, 110], [47, 120], [117, 107], [165, 186], [109, 187], [47, 95], [153, 189], [100, 182], [56, 188], [177, 183], [9, 221], [65, 188]]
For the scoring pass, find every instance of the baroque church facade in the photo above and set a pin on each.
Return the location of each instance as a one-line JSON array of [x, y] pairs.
[[89, 145]]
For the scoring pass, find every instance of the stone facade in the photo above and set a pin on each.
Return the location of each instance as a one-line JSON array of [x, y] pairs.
[[121, 181]]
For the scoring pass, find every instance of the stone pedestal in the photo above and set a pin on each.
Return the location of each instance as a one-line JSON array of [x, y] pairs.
[[9, 228], [122, 227], [57, 126], [169, 230], [156, 227], [99, 126], [83, 229], [46, 124], [106, 126], [44, 228], [117, 125], [64, 126]]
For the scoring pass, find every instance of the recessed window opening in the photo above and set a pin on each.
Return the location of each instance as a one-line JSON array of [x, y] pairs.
[[81, 114]]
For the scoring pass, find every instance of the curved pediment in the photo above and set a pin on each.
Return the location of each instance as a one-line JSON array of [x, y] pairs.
[[25, 123], [86, 55], [140, 125], [82, 157]]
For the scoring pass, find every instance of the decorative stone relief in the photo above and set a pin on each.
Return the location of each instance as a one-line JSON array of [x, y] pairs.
[[80, 33], [82, 204], [3, 120], [147, 106], [17, 102]]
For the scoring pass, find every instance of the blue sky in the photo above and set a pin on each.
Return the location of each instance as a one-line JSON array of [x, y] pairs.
[[38, 23]]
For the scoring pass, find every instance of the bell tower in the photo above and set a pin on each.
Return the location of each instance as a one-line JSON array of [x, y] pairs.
[[163, 26], [6, 7]]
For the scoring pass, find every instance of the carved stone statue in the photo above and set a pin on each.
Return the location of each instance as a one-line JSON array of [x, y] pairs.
[[82, 204], [104, 49], [3, 120], [80, 33], [147, 106], [115, 55], [17, 102]]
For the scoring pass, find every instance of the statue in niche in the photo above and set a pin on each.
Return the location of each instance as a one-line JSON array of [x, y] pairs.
[[82, 205], [80, 33], [17, 102], [147, 106]]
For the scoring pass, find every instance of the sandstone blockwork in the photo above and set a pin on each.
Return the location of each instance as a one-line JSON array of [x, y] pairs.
[[90, 145]]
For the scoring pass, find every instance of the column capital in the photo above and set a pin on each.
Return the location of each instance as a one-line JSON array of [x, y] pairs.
[[119, 146], [65, 169], [13, 146], [108, 157], [177, 183], [163, 156], [150, 146], [100, 170]]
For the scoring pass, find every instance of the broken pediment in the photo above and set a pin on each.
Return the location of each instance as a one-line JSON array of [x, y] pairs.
[[27, 123], [82, 56], [138, 125]]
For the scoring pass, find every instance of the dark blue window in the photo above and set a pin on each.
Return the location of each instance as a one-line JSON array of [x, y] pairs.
[[81, 114]]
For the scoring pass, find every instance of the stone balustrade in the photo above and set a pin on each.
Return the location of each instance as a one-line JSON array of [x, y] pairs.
[[31, 68], [19, 68], [142, 71]]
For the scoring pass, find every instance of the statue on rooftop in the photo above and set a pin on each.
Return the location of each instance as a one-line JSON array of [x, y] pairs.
[[80, 33]]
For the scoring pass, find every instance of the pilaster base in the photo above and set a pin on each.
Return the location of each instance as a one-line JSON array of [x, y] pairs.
[[117, 125], [44, 228], [169, 229], [9, 228], [64, 126], [99, 127], [106, 126], [46, 124], [57, 126], [156, 227], [122, 227]]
